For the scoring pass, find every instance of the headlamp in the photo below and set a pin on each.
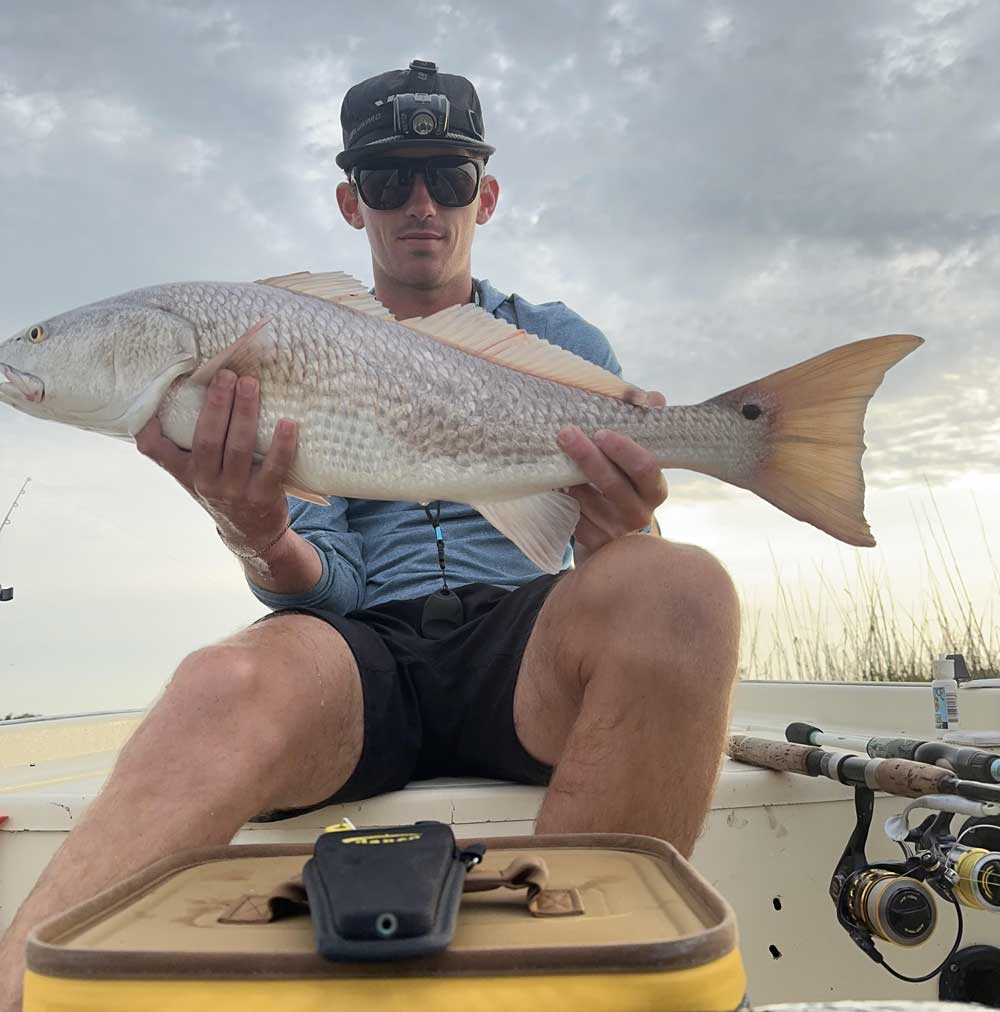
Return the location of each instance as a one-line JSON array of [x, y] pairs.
[[420, 115]]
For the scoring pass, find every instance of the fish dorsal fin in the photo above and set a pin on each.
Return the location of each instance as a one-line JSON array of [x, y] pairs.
[[478, 332], [332, 286]]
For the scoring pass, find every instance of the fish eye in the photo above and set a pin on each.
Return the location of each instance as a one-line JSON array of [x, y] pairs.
[[36, 334], [751, 411]]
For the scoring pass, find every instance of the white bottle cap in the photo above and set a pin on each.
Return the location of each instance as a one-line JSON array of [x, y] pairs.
[[944, 668]]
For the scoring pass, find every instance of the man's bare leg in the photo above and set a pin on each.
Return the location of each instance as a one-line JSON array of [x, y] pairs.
[[271, 718], [625, 687]]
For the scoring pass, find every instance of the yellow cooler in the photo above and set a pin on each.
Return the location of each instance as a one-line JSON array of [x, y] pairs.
[[570, 923]]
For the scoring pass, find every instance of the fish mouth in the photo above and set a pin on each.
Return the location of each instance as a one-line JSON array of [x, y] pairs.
[[30, 387]]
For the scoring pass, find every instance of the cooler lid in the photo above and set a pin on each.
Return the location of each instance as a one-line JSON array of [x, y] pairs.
[[644, 908]]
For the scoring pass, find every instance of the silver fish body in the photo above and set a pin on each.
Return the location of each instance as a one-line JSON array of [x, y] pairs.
[[385, 412], [451, 408]]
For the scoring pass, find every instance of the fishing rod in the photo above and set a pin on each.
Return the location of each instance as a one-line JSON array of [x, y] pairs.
[[893, 901], [7, 593], [964, 762], [903, 777], [13, 505]]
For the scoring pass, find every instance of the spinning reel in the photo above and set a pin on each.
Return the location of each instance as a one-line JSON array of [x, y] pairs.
[[895, 900]]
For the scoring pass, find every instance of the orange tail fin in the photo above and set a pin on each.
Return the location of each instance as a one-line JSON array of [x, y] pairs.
[[815, 410]]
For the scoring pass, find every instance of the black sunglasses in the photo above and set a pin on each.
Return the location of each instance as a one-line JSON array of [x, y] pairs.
[[386, 183]]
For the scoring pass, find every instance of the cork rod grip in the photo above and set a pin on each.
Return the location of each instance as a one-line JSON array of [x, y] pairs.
[[774, 755], [912, 780]]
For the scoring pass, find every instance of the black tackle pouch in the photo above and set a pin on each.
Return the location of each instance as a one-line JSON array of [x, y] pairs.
[[388, 893]]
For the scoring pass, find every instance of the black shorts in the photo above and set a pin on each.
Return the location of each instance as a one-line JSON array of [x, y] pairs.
[[437, 707]]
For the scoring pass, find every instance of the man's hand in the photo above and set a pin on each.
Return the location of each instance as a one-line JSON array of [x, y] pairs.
[[625, 483], [246, 500]]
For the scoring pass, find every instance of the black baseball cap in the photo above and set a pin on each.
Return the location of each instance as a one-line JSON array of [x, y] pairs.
[[414, 107]]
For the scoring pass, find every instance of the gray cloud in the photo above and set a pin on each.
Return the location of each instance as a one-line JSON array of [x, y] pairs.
[[725, 188]]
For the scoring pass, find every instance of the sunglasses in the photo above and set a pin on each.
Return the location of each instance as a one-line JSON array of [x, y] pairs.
[[386, 183]]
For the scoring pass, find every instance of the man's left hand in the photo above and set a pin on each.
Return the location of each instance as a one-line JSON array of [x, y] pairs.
[[625, 483]]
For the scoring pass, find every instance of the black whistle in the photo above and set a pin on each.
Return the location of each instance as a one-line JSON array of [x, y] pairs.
[[442, 614]]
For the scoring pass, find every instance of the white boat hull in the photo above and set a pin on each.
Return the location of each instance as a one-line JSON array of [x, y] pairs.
[[770, 842]]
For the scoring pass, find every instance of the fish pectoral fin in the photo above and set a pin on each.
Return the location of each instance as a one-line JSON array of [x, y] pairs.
[[540, 525], [244, 356], [332, 286]]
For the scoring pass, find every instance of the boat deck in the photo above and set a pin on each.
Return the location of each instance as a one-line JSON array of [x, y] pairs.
[[770, 843]]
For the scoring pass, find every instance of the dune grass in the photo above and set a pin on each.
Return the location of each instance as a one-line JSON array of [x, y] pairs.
[[873, 638]]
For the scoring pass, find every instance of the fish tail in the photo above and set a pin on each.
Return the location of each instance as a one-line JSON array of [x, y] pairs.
[[813, 416]]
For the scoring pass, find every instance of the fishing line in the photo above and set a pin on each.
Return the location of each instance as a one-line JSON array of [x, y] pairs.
[[943, 963], [971, 829]]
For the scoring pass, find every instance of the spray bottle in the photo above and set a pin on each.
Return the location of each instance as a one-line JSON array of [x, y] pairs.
[[944, 689]]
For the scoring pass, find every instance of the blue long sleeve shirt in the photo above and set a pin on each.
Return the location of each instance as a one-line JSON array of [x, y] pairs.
[[374, 551]]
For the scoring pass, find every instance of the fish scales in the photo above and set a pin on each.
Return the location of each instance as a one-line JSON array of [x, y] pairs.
[[457, 406], [385, 412]]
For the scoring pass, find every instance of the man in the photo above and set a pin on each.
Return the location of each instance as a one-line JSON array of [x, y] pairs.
[[384, 661]]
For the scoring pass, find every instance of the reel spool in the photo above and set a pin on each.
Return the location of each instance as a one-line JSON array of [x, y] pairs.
[[890, 906], [978, 883]]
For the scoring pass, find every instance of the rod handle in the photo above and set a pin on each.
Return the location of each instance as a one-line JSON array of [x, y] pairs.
[[909, 779], [773, 755]]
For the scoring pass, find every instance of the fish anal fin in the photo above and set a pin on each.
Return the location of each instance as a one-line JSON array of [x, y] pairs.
[[477, 332], [539, 525], [815, 411], [253, 348], [332, 286]]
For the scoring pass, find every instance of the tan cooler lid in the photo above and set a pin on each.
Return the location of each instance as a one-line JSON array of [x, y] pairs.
[[644, 908]]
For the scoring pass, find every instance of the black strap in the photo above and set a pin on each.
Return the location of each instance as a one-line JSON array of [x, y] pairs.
[[443, 611], [435, 522]]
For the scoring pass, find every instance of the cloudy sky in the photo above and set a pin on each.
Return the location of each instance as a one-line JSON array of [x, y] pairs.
[[723, 188]]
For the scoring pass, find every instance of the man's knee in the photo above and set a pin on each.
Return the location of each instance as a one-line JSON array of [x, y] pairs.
[[269, 679], [644, 573], [222, 678], [647, 594]]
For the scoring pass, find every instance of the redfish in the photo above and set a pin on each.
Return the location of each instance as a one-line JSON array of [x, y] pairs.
[[458, 406]]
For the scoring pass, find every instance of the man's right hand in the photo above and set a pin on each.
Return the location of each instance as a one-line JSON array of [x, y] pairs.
[[245, 500]]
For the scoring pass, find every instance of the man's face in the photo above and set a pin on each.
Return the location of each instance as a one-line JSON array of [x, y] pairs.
[[421, 244]]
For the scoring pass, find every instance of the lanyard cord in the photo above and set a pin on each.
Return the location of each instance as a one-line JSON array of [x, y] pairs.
[[435, 522]]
